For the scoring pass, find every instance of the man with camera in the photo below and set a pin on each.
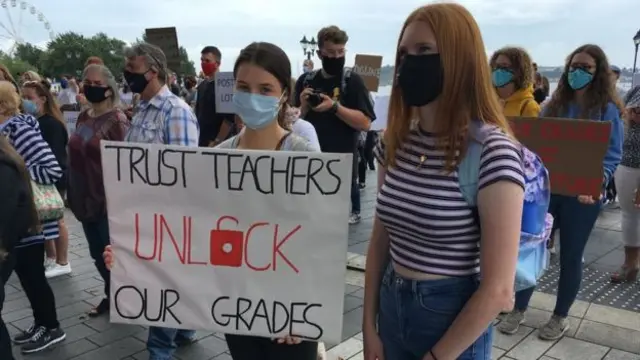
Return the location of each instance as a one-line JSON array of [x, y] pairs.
[[337, 103]]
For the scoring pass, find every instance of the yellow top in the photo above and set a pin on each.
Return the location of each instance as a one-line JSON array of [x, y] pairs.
[[522, 103]]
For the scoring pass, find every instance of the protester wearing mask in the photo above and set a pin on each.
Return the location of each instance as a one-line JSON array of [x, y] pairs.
[[23, 132], [585, 91], [38, 101], [67, 95], [336, 102], [214, 127], [103, 120], [512, 75], [161, 118]]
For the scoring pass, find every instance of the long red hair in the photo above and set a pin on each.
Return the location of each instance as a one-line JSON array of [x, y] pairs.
[[467, 93]]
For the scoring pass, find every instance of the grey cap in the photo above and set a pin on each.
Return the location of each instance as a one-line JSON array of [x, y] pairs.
[[632, 98]]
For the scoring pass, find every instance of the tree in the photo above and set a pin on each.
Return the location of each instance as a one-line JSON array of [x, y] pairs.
[[15, 65], [187, 66], [29, 54]]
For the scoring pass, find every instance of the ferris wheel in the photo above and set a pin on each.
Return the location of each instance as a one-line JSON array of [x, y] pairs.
[[22, 21]]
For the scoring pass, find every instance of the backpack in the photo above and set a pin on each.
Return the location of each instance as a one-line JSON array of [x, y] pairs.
[[536, 221], [346, 75]]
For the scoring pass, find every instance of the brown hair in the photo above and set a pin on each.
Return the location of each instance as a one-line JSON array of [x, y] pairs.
[[93, 60], [600, 92], [521, 65], [467, 93], [332, 34], [7, 149], [50, 107]]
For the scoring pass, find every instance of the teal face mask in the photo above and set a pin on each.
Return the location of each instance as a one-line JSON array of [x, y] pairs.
[[579, 78], [30, 107], [256, 110], [501, 77]]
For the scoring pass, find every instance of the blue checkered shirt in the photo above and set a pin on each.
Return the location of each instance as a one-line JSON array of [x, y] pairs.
[[164, 119]]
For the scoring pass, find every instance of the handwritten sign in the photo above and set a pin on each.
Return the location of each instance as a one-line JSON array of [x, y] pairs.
[[245, 242], [225, 83], [167, 40], [368, 67], [71, 118], [572, 150]]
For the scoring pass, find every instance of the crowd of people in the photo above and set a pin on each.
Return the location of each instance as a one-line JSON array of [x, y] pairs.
[[423, 294]]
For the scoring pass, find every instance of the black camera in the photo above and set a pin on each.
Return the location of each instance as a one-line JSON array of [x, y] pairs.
[[314, 99]]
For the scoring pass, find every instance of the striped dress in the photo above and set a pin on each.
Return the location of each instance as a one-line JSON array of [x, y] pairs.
[[23, 133]]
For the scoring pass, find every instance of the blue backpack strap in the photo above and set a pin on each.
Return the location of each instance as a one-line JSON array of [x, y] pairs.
[[469, 168]]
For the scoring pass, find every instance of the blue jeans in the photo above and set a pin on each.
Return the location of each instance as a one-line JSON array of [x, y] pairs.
[[162, 341], [575, 222], [355, 197], [414, 315]]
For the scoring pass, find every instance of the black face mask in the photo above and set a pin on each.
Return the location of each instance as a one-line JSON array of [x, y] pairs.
[[95, 94], [420, 77], [333, 66], [137, 82]]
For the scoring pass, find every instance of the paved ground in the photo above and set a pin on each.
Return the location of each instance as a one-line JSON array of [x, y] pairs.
[[598, 332]]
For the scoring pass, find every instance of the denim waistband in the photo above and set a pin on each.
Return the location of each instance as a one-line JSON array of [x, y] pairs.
[[463, 284]]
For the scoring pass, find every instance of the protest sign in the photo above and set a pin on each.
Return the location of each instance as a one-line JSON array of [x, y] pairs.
[[244, 242], [381, 109], [71, 118], [572, 150], [368, 67], [167, 40], [225, 83]]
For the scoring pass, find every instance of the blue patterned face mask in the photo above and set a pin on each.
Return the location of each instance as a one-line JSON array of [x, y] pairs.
[[501, 77], [579, 78], [30, 107], [256, 110]]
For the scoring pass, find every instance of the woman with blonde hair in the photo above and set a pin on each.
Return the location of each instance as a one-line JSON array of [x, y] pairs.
[[30, 76], [512, 75], [423, 294], [23, 133], [39, 102]]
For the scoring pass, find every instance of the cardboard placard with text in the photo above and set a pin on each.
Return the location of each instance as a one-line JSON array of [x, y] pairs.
[[231, 241], [167, 40], [572, 150], [368, 67]]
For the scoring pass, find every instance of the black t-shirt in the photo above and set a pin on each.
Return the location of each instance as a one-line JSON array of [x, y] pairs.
[[335, 135], [205, 110], [175, 89], [54, 132]]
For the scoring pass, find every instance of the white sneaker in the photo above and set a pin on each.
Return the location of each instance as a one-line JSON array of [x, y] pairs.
[[58, 270], [49, 264]]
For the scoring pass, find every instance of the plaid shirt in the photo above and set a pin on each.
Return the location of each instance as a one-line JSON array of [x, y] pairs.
[[165, 119]]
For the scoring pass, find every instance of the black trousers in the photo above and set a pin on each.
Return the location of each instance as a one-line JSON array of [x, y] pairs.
[[366, 156], [97, 234], [258, 348], [29, 266]]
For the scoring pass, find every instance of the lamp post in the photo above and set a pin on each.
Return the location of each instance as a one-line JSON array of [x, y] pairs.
[[308, 47], [71, 54], [636, 42]]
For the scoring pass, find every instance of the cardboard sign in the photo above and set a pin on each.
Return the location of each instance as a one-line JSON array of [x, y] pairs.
[[225, 83], [167, 40], [368, 67], [227, 240], [572, 150], [71, 118]]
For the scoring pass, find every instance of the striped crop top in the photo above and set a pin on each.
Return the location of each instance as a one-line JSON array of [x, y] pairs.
[[431, 227]]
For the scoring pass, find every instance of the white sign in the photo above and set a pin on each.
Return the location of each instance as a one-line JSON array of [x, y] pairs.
[[381, 109], [225, 83], [245, 242], [71, 118]]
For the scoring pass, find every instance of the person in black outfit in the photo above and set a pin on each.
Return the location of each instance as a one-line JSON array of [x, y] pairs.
[[18, 218], [174, 87], [366, 157], [214, 128], [345, 106]]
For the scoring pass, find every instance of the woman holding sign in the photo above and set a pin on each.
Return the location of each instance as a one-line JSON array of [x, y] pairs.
[[585, 91]]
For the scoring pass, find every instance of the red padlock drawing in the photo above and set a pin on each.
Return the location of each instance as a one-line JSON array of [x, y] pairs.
[[226, 246]]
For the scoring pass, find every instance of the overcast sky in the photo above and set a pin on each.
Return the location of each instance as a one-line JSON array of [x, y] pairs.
[[549, 29]]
